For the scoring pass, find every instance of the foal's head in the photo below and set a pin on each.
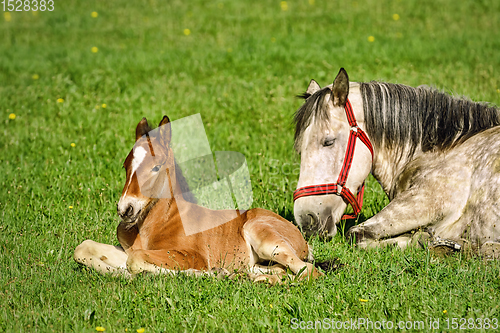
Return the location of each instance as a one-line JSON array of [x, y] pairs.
[[321, 139], [150, 169]]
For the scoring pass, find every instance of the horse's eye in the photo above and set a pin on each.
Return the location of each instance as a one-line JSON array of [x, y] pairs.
[[328, 142], [156, 168]]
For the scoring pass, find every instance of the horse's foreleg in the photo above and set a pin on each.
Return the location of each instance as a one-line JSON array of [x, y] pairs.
[[405, 213], [102, 257], [416, 208]]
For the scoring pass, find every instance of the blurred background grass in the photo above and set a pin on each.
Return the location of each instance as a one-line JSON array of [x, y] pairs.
[[73, 77]]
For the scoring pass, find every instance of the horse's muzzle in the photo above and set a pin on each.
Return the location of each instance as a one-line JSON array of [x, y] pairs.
[[312, 224], [318, 215]]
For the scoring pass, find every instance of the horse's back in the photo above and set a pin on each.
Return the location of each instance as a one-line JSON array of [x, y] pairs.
[[482, 213], [477, 165]]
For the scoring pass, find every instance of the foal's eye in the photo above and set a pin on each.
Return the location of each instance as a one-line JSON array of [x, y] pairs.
[[156, 168], [328, 142]]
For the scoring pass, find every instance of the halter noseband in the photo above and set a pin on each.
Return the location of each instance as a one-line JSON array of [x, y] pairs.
[[339, 188]]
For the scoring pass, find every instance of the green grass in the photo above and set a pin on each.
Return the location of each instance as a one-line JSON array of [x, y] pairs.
[[240, 67]]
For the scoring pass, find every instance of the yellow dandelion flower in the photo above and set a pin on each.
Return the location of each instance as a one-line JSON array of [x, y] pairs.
[[103, 106], [284, 5], [363, 300], [94, 49], [371, 39], [94, 14], [12, 116], [7, 16], [311, 2], [35, 76], [100, 329], [60, 100], [70, 207], [73, 144], [395, 17], [444, 311], [140, 330], [271, 306], [187, 32]]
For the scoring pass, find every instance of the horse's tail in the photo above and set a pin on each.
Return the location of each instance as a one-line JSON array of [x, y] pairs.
[[327, 265]]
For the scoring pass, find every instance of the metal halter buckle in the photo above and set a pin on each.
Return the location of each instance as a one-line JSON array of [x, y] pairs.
[[339, 189]]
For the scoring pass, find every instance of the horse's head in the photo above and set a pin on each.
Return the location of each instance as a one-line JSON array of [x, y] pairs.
[[322, 136], [150, 168]]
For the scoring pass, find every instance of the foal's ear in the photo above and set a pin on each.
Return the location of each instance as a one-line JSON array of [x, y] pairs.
[[340, 88], [313, 87], [142, 128], [165, 131]]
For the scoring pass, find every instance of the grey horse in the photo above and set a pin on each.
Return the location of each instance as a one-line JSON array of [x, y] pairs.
[[437, 157]]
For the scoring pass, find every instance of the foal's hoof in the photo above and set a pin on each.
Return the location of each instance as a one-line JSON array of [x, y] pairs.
[[219, 272], [269, 279]]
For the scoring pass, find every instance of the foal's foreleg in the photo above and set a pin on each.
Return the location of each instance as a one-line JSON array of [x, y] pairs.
[[272, 246], [102, 257]]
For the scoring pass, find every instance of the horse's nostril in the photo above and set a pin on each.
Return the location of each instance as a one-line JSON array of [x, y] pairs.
[[313, 221], [127, 213]]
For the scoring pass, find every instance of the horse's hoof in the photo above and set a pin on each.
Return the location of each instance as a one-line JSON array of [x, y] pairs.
[[358, 235], [490, 250]]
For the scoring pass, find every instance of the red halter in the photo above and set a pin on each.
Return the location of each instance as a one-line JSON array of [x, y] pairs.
[[339, 188]]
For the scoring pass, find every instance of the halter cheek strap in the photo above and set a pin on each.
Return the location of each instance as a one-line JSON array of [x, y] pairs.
[[339, 187]]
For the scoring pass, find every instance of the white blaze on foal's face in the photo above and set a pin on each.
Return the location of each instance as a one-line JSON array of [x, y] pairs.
[[132, 201], [139, 155]]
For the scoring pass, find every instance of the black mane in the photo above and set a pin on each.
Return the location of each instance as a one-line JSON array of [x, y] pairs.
[[310, 109], [399, 116]]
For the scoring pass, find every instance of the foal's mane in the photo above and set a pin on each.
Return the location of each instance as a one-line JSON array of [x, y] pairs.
[[398, 116]]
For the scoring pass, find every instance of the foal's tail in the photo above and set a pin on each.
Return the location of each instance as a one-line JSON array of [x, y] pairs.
[[327, 265]]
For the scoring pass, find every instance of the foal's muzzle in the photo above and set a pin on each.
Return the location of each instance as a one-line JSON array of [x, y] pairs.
[[127, 215]]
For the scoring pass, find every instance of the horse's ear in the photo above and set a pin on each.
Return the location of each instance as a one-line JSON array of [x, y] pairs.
[[340, 88], [142, 128], [313, 87], [165, 131]]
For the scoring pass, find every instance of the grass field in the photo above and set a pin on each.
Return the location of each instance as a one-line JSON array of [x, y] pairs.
[[77, 84]]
